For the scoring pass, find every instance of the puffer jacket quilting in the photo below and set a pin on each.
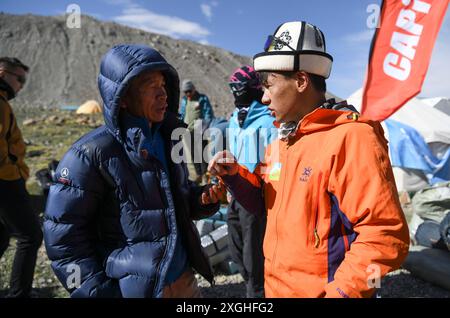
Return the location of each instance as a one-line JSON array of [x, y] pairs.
[[110, 217]]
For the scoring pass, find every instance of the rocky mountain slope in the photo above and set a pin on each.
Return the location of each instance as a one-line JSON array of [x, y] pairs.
[[64, 62]]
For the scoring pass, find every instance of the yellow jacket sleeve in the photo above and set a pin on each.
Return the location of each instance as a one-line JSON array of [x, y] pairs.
[[12, 146]]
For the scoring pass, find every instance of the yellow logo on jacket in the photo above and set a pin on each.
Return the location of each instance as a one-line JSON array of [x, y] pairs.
[[275, 172]]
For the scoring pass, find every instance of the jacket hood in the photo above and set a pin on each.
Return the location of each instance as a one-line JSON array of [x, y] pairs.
[[123, 63]]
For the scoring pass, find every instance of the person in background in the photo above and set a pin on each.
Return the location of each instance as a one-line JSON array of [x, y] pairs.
[[250, 130], [195, 111], [17, 217], [334, 222]]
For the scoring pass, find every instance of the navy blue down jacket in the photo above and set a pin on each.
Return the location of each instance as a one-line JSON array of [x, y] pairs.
[[110, 221]]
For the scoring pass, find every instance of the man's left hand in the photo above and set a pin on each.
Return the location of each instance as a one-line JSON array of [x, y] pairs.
[[212, 193]]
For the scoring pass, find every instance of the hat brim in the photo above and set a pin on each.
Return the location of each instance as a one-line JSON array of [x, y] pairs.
[[309, 61]]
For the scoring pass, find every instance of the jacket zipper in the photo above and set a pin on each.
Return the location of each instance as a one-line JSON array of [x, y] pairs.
[[316, 216], [158, 269], [157, 166], [158, 277]]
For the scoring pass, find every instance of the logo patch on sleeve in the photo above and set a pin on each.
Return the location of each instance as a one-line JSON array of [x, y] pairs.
[[64, 172], [275, 172]]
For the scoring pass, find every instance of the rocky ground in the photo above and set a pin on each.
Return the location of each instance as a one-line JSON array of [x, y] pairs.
[[48, 136], [398, 284]]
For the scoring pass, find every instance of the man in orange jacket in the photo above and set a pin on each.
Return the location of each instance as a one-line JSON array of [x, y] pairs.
[[334, 222]]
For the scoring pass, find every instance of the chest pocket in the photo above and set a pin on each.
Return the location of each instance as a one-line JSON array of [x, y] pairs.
[[153, 195]]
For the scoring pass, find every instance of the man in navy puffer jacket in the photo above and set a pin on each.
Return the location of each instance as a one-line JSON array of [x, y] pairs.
[[118, 221]]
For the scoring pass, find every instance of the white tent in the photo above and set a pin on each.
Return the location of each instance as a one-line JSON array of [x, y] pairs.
[[432, 124], [441, 103], [409, 179]]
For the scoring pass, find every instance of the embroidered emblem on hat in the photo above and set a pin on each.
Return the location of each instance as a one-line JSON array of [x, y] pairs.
[[285, 38], [295, 46]]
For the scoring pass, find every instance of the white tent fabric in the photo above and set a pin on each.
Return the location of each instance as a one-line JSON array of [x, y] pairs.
[[431, 123], [409, 179], [441, 103], [438, 149]]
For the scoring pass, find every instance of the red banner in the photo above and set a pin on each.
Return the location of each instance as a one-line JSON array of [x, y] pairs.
[[400, 54]]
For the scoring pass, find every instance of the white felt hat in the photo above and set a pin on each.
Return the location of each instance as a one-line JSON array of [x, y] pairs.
[[295, 46]]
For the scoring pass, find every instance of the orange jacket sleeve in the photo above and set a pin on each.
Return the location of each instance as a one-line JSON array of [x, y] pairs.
[[362, 180]]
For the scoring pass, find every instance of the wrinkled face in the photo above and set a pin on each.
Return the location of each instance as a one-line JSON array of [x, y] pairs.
[[147, 97], [281, 96], [15, 77]]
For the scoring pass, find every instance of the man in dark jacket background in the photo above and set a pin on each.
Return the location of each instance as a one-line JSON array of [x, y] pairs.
[[118, 221]]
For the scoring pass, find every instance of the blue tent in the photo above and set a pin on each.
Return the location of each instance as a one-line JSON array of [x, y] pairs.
[[408, 149]]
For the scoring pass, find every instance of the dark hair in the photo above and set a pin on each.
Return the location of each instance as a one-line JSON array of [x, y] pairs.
[[318, 82], [12, 62]]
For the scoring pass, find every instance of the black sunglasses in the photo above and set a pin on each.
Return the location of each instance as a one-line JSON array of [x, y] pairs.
[[277, 43], [237, 86], [20, 78]]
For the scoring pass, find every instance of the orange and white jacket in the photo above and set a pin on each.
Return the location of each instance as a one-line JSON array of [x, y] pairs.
[[334, 221]]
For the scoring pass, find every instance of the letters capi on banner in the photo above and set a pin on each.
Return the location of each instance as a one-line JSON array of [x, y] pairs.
[[400, 54]]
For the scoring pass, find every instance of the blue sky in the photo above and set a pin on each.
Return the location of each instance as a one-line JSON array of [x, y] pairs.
[[242, 26]]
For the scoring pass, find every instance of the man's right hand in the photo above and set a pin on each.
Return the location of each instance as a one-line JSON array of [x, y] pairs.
[[223, 163]]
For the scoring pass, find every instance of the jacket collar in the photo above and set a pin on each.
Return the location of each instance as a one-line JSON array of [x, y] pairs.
[[134, 130], [327, 115]]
